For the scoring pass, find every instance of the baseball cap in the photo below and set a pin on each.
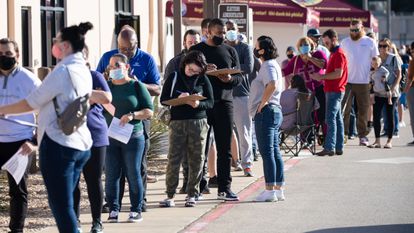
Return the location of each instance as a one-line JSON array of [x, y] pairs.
[[314, 32]]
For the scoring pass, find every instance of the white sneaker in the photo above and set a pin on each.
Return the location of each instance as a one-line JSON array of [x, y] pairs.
[[280, 194], [266, 196], [402, 124]]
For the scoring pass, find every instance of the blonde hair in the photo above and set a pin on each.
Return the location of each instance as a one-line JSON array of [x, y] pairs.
[[308, 41]]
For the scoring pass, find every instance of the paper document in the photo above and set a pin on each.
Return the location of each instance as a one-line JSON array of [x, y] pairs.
[[182, 100], [223, 71], [117, 132], [17, 165]]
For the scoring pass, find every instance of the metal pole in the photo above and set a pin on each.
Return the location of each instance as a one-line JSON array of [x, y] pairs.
[[389, 29], [365, 4], [210, 8], [177, 26]]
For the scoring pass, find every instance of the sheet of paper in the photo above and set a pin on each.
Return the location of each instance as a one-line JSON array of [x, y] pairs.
[[182, 100], [117, 132], [16, 165], [223, 71]]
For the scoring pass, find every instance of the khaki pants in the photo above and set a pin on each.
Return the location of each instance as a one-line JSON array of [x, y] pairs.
[[361, 94]]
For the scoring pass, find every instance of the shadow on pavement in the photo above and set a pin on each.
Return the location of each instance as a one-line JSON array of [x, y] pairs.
[[396, 228]]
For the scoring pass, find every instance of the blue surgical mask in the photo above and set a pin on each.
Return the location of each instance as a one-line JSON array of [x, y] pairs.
[[116, 74], [231, 35], [304, 49], [203, 38]]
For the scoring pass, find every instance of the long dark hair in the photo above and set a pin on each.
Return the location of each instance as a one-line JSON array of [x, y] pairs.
[[299, 83]]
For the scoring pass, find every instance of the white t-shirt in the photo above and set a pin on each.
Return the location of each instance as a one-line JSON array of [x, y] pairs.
[[60, 85], [14, 88], [359, 54]]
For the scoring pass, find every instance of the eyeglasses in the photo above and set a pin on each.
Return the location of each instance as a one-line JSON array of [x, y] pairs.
[[383, 46], [354, 30]]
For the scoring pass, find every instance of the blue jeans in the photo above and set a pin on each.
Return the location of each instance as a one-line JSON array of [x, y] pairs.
[[267, 124], [125, 157], [61, 167], [335, 136]]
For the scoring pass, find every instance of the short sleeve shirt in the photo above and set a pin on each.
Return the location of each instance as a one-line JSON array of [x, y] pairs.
[[337, 61]]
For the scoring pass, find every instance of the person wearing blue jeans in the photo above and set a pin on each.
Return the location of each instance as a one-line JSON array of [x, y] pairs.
[[336, 78], [265, 108]]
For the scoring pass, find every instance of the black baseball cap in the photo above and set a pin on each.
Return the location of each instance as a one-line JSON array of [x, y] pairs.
[[314, 32]]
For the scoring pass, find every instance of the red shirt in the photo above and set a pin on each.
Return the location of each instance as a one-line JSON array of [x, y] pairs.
[[337, 61]]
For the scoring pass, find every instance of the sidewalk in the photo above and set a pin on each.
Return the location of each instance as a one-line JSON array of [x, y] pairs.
[[167, 220]]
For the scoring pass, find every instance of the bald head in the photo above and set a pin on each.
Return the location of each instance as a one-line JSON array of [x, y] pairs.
[[127, 41]]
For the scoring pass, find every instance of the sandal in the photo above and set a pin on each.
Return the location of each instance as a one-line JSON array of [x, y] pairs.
[[388, 146], [375, 145]]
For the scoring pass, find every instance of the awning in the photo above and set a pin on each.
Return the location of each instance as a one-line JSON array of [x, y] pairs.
[[282, 11], [337, 13]]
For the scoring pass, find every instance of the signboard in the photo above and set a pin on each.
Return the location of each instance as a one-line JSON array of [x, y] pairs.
[[239, 13]]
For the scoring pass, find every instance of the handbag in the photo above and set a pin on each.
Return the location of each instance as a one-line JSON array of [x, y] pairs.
[[75, 113], [164, 113]]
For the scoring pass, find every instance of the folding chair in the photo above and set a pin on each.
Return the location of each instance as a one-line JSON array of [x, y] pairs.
[[303, 131]]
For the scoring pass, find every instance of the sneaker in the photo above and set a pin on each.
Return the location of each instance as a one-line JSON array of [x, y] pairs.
[[212, 182], [395, 135], [266, 196], [167, 203], [197, 197], [113, 216], [227, 196], [134, 217], [96, 227], [401, 124], [325, 152], [237, 166], [105, 208], [410, 143], [280, 194], [363, 141], [248, 172], [190, 202]]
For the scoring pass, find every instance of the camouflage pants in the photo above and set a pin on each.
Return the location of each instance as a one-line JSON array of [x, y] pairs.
[[187, 138]]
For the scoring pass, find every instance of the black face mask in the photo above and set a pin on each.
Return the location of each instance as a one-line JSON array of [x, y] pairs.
[[6, 63], [290, 56], [256, 53], [218, 40]]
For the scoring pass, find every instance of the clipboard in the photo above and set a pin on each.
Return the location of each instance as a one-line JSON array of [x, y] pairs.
[[224, 71], [182, 100]]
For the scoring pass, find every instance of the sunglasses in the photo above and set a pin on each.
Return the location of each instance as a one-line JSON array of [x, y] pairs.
[[383, 46], [354, 30]]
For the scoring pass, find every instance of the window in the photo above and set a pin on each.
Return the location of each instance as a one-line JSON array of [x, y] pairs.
[[123, 16], [25, 51], [52, 14]]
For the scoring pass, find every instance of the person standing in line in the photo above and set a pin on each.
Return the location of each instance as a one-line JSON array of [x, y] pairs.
[[409, 89], [359, 50], [133, 104], [188, 126], [92, 171], [17, 83], [62, 156], [220, 56], [241, 97], [265, 108], [315, 35], [143, 68], [335, 80], [204, 29], [290, 53]]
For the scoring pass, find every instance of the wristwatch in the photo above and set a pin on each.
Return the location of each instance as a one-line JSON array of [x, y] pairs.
[[132, 114]]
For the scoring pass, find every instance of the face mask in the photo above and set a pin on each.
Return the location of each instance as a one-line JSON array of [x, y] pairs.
[[290, 56], [218, 40], [256, 53], [231, 35], [57, 52], [203, 38], [6, 63], [116, 74], [304, 49]]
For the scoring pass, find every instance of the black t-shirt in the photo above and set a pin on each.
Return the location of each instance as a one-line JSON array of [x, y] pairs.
[[223, 56], [192, 85]]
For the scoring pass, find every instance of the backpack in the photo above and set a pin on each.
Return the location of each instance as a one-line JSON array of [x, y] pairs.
[[75, 113]]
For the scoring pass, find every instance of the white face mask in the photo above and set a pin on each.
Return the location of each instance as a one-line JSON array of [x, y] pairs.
[[116, 74], [231, 35]]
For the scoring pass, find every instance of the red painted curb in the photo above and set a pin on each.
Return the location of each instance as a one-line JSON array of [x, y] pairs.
[[221, 209]]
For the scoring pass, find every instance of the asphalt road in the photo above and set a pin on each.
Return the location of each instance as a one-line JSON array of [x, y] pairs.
[[363, 191]]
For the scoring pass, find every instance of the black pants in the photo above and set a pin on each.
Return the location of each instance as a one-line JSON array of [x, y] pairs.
[[221, 119], [378, 106], [17, 192], [92, 172], [320, 96]]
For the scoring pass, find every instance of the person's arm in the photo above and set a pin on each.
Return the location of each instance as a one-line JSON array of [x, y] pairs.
[[397, 67], [152, 80], [318, 58], [410, 76], [248, 60], [153, 89], [208, 93], [269, 89], [166, 88], [100, 97], [17, 108]]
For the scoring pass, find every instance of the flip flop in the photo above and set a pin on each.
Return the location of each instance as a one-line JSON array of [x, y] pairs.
[[375, 145]]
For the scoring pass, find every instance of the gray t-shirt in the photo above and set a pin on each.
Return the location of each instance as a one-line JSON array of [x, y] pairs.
[[392, 64], [379, 85], [269, 71]]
